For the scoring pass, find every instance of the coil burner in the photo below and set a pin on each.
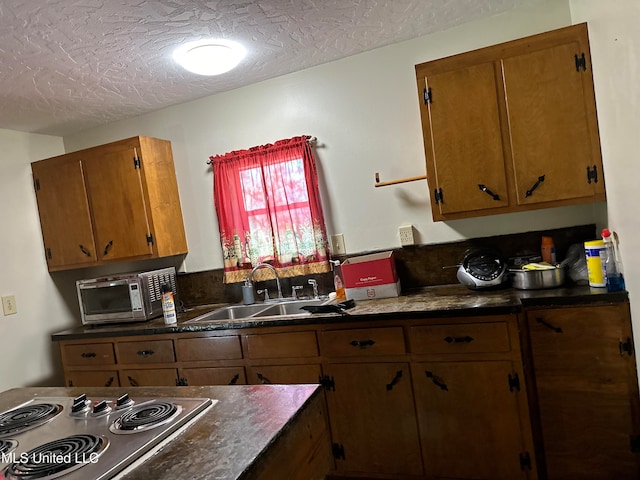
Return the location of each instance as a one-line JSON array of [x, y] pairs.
[[25, 418], [57, 458]]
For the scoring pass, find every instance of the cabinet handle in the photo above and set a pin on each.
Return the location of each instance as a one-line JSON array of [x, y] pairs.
[[109, 382], [484, 188], [234, 379], [264, 380], [535, 185], [592, 175], [437, 381], [549, 326], [181, 382], [84, 250], [395, 380], [132, 381], [626, 347], [145, 353], [362, 343], [466, 339], [107, 247], [88, 355]]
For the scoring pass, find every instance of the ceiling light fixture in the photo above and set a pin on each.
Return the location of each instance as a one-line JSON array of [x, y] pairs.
[[209, 57]]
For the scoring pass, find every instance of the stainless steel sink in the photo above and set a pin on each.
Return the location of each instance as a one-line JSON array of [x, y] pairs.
[[293, 307], [238, 312]]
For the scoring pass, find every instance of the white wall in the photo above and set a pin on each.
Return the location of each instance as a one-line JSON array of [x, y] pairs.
[[364, 110], [28, 356], [615, 50]]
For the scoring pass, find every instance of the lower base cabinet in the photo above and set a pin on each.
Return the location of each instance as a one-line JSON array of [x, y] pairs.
[[587, 392], [469, 420], [284, 374], [372, 419]]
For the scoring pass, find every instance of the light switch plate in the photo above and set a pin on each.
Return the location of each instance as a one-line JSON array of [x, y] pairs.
[[337, 244], [9, 306]]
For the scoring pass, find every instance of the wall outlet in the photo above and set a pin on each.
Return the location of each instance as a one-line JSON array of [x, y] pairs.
[[9, 306], [406, 235], [337, 244]]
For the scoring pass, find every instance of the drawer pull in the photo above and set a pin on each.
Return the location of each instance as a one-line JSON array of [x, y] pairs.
[[264, 380], [362, 343], [182, 382], [466, 339], [549, 326], [109, 382], [145, 353], [234, 379], [132, 381], [88, 355], [437, 381], [395, 380]]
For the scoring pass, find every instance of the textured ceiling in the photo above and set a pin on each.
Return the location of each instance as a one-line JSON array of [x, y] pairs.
[[68, 65]]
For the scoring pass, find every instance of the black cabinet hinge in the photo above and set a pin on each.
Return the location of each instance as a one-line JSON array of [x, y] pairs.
[[181, 382], [514, 382], [634, 443], [37, 184], [626, 347], [427, 97], [581, 62], [136, 162], [150, 239], [49, 254], [327, 382], [592, 175], [338, 451], [437, 195], [525, 461]]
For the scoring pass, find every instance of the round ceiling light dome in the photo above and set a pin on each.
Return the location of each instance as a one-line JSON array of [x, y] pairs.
[[209, 57]]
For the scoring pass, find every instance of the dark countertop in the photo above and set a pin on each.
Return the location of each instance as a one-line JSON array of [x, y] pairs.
[[223, 444], [440, 301]]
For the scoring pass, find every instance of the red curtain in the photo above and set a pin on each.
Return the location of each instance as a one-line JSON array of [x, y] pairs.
[[268, 206]]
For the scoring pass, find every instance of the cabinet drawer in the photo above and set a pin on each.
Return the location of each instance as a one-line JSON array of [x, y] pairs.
[[457, 338], [149, 351], [88, 354], [282, 345], [208, 348], [214, 376], [362, 341]]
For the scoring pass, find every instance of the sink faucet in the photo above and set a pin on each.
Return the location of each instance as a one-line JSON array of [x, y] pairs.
[[314, 284], [275, 272]]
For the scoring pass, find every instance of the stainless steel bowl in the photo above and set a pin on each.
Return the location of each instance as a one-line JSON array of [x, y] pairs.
[[537, 279]]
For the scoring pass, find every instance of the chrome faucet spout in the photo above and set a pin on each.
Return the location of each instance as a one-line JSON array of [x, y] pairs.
[[270, 267]]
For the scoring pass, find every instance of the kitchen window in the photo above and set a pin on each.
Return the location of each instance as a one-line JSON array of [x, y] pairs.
[[269, 211]]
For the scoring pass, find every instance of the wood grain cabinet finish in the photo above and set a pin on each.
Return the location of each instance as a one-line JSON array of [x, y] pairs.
[[588, 405], [208, 348], [88, 354], [282, 345], [471, 399], [101, 378], [521, 117], [145, 352], [109, 203], [362, 342]]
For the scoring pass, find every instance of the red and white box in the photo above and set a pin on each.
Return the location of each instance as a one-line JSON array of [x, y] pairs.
[[371, 276]]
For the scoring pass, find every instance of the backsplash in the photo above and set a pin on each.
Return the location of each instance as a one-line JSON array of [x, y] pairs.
[[418, 266]]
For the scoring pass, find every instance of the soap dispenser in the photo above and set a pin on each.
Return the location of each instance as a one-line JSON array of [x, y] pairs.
[[247, 293]]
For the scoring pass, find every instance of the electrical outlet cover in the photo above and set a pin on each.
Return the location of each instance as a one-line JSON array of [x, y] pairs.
[[406, 235]]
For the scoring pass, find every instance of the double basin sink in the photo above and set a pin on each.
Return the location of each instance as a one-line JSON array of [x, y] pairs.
[[279, 308]]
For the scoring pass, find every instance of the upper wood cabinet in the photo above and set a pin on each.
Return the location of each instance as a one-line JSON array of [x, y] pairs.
[[512, 127], [109, 203]]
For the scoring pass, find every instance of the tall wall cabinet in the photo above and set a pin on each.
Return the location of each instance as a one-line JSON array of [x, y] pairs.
[[512, 127], [109, 203]]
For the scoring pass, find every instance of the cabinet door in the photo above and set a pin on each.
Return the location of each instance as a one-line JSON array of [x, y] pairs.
[[121, 221], [469, 420], [102, 378], [463, 144], [554, 138], [372, 418], [149, 378], [64, 212], [587, 391], [213, 376], [284, 374]]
